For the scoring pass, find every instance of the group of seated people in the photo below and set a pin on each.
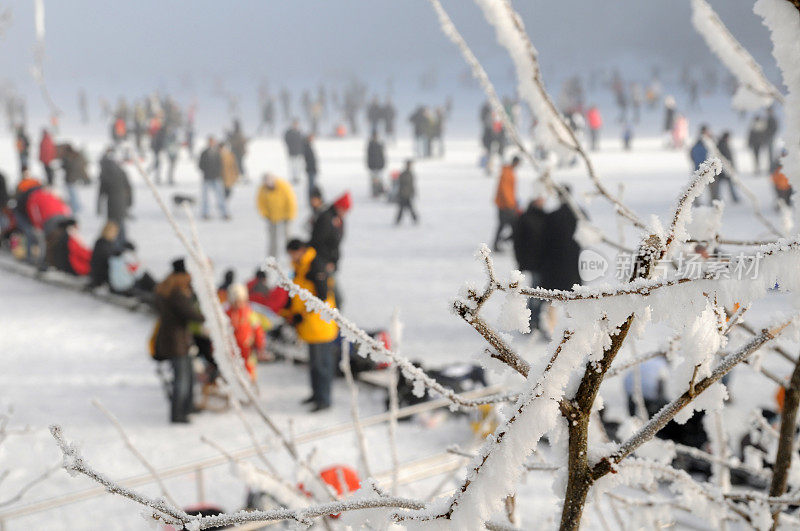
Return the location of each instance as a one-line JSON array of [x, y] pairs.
[[37, 226]]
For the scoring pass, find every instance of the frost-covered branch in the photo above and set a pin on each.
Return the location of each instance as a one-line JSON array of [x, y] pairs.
[[782, 17], [754, 91], [786, 441], [373, 348], [135, 451], [668, 412], [27, 486], [358, 429], [168, 513], [702, 177]]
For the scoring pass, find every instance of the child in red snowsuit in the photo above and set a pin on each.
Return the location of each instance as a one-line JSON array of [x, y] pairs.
[[246, 328]]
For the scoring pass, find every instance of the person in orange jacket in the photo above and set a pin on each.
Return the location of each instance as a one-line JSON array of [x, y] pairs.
[[506, 201], [246, 328], [783, 189]]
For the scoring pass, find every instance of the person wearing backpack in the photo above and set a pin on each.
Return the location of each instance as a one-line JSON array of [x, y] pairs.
[[176, 310]]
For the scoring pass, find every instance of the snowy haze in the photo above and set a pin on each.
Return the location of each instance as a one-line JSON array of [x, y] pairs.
[[127, 48]]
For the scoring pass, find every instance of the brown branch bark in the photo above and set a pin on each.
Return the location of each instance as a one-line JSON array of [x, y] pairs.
[[783, 458]]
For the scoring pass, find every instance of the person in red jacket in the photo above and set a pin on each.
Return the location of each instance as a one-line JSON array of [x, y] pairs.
[[246, 328], [47, 154], [595, 121], [38, 211], [66, 251]]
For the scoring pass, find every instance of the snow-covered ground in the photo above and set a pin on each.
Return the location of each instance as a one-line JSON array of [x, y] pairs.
[[60, 349]]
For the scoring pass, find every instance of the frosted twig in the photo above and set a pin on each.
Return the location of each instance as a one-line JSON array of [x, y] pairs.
[[235, 377], [668, 412], [733, 464], [74, 462], [449, 29], [135, 451], [237, 408], [28, 486], [393, 407], [357, 427], [702, 177], [735, 58], [530, 467], [373, 347]]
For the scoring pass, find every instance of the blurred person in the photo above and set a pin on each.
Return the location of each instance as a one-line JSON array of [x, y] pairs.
[[176, 310], [210, 165], [419, 123], [756, 140], [74, 166], [529, 249], [277, 204], [680, 131], [106, 246], [158, 141], [310, 159], [561, 253], [724, 149], [506, 201], [230, 169], [23, 146], [310, 272], [770, 132], [65, 250], [781, 185], [376, 162], [238, 145], [115, 194], [406, 192], [47, 154], [247, 329], [37, 212], [327, 231], [595, 121], [172, 147], [295, 144], [701, 148], [389, 115]]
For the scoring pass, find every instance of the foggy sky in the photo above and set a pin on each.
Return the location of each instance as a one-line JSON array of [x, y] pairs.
[[116, 47]]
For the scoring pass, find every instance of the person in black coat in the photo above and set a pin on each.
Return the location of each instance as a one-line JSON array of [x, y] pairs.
[[295, 143], [310, 158], [4, 196], [115, 192], [529, 231], [770, 132], [561, 251], [157, 144], [724, 148], [106, 246], [376, 162], [406, 191], [327, 232]]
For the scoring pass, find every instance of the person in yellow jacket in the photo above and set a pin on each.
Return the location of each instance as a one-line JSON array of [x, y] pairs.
[[277, 204], [230, 169], [320, 335]]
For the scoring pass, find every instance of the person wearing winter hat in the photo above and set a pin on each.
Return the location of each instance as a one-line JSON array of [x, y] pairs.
[[247, 330], [176, 309], [311, 273], [327, 231]]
